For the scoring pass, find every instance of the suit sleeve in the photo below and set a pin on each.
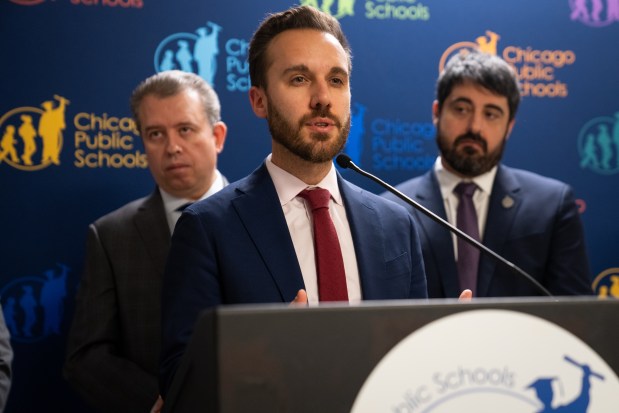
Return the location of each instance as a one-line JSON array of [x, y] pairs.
[[95, 366], [419, 288], [567, 271], [190, 285]]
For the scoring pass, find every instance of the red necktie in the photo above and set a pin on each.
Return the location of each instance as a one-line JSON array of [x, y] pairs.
[[328, 254], [466, 220]]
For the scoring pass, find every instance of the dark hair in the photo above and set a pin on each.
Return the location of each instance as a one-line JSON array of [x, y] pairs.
[[486, 70], [300, 17], [172, 82]]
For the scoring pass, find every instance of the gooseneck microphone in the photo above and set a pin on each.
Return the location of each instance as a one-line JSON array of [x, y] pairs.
[[345, 162]]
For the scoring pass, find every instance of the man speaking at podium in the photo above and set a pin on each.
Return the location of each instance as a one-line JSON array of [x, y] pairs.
[[531, 220], [293, 230]]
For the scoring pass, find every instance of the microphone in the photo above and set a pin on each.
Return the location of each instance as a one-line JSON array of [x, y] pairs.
[[345, 162]]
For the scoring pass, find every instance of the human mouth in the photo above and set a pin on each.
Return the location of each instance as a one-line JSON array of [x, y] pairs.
[[176, 167]]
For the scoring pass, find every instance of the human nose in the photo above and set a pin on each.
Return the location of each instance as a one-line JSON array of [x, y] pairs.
[[321, 96], [476, 122], [174, 144]]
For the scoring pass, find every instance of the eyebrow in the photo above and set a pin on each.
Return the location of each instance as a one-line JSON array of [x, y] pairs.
[[303, 68], [487, 106]]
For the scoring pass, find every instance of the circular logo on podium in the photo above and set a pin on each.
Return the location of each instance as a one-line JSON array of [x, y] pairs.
[[490, 361]]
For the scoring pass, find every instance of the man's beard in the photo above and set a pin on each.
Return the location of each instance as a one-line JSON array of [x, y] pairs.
[[290, 137], [467, 161]]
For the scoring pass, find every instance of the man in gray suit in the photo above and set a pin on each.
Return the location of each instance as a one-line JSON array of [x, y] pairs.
[[114, 342]]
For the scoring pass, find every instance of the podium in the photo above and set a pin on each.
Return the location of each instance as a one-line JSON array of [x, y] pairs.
[[274, 358]]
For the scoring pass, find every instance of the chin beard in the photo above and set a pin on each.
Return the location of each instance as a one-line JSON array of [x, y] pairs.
[[466, 161], [317, 149]]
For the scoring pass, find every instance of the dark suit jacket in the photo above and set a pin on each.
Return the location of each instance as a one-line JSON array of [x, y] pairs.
[[114, 342], [235, 247], [540, 232]]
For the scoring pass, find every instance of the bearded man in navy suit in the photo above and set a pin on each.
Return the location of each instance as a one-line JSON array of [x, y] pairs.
[[252, 242], [531, 220]]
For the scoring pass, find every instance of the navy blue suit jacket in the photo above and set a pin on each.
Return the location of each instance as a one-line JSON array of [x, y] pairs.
[[533, 221], [235, 248]]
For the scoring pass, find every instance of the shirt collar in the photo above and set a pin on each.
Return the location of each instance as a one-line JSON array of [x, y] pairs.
[[171, 203], [288, 186], [448, 180]]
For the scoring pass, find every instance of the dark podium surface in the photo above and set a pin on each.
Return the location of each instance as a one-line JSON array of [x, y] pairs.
[[277, 359]]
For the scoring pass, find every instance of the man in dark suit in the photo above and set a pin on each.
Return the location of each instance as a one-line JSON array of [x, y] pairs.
[[114, 342], [531, 220], [253, 241]]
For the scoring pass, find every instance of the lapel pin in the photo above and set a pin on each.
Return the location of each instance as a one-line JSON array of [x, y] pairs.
[[507, 202]]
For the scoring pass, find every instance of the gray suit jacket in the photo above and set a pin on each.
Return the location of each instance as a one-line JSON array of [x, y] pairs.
[[114, 342]]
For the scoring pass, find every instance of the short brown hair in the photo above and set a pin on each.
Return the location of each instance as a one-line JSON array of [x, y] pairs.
[[172, 82], [300, 17]]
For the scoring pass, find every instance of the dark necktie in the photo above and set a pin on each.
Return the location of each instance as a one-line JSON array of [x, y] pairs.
[[466, 220], [328, 254], [182, 207]]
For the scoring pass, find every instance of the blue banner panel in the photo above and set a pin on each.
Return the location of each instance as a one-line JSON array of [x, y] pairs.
[[69, 152]]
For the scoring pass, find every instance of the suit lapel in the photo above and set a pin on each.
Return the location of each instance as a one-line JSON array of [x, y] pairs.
[[437, 240], [152, 225], [502, 211], [261, 213], [367, 236]]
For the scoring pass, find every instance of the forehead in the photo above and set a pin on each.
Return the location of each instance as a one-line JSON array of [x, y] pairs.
[[312, 48], [477, 95]]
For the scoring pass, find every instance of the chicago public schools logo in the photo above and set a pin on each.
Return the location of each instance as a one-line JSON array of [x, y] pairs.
[[598, 145], [606, 284], [194, 53], [490, 361], [595, 13], [33, 306], [30, 137]]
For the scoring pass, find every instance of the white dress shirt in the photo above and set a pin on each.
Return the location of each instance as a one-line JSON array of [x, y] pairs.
[[299, 220], [448, 181], [171, 203]]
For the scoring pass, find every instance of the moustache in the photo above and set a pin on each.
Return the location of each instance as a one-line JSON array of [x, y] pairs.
[[321, 113], [475, 137]]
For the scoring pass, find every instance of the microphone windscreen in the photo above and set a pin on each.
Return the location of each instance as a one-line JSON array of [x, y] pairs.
[[343, 160]]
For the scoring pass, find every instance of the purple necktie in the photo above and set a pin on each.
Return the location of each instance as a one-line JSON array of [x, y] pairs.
[[328, 254], [466, 220]]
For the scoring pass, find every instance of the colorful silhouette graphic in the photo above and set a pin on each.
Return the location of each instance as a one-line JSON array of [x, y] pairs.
[[545, 393], [599, 145], [7, 145], [488, 44], [27, 133], [205, 52], [191, 53], [28, 304], [53, 293], [596, 13], [34, 305], [344, 7], [51, 126]]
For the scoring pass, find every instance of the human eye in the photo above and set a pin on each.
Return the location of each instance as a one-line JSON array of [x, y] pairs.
[[338, 81], [298, 80], [493, 114], [185, 130], [154, 135], [461, 108]]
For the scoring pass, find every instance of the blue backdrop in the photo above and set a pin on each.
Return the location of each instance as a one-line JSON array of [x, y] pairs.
[[68, 152]]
